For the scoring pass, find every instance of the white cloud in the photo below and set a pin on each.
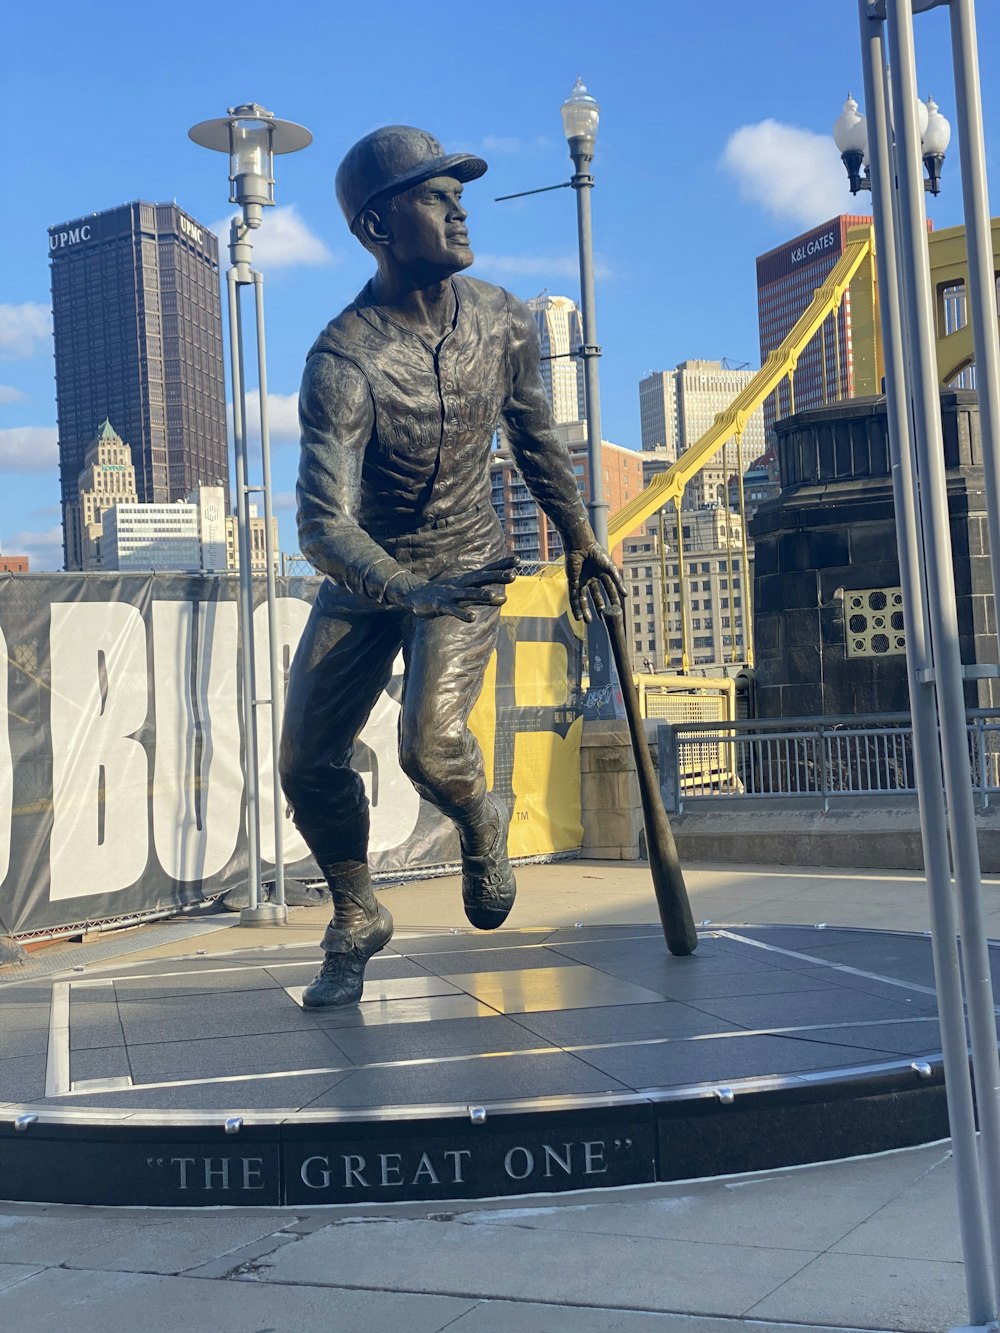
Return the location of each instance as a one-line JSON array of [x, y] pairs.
[[793, 174], [283, 502], [282, 241], [43, 549], [29, 449], [538, 266], [8, 394], [282, 417], [23, 327]]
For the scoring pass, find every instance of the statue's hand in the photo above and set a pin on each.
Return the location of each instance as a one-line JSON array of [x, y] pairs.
[[592, 570], [456, 594]]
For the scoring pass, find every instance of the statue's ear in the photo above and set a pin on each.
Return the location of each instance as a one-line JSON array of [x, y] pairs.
[[373, 228]]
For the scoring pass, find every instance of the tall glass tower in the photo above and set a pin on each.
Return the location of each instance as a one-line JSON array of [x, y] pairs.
[[137, 322]]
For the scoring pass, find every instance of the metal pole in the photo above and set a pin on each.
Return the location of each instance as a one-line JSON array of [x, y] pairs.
[[583, 183], [248, 690], [746, 611], [682, 588], [933, 823], [598, 643], [943, 614], [277, 682], [981, 296], [664, 593]]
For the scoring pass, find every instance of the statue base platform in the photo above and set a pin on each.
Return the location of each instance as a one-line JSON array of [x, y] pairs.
[[476, 1065]]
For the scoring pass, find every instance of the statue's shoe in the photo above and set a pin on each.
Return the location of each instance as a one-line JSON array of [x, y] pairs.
[[488, 884], [341, 979]]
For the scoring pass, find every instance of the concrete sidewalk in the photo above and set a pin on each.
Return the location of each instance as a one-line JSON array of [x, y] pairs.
[[859, 1244]]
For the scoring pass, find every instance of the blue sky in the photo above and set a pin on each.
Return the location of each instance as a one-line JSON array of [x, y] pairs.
[[98, 101]]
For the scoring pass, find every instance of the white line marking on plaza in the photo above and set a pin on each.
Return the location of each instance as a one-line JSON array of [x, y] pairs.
[[57, 1059]]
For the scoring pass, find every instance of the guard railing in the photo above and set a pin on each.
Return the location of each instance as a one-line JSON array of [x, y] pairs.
[[813, 761]]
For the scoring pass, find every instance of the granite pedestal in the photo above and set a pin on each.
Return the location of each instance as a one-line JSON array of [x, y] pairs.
[[475, 1065]]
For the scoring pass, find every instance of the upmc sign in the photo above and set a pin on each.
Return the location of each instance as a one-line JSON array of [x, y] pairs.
[[64, 236], [122, 753]]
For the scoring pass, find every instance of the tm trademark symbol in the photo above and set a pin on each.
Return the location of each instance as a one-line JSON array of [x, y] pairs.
[[522, 814]]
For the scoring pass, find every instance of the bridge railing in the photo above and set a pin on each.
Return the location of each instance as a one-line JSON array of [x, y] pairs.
[[813, 761]]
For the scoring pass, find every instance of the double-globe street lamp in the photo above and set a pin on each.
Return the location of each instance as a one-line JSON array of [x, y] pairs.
[[252, 138], [900, 145]]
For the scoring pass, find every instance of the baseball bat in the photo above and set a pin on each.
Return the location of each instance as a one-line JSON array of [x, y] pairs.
[[664, 863]]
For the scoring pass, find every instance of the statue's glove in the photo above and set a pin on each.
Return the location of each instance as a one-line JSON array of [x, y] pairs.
[[592, 570], [456, 594]]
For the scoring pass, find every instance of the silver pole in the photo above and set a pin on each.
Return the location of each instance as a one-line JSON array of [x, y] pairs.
[[602, 677], [982, 293], [277, 691], [248, 690], [927, 760], [583, 183], [943, 615]]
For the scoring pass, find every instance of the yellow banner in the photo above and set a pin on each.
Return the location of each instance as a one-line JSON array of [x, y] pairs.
[[530, 681]]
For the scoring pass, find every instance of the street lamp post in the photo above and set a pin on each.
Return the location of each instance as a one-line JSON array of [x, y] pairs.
[[900, 134], [251, 136], [581, 116]]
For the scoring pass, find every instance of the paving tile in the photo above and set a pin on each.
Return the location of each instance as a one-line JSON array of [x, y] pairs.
[[213, 1057], [806, 1007], [619, 958], [484, 1079], [173, 1244], [55, 1235], [462, 940], [224, 1015], [446, 1037], [11, 1273], [512, 1261], [93, 1023], [207, 982], [226, 1098], [99, 1062], [573, 987], [621, 1023], [710, 984], [675, 1063], [432, 1009], [494, 960], [22, 1079], [921, 1036], [919, 1223], [919, 1296], [22, 1041], [382, 965], [109, 1301], [527, 1317], [809, 1208]]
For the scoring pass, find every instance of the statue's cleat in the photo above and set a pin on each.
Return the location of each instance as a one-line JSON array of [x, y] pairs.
[[488, 884], [341, 979]]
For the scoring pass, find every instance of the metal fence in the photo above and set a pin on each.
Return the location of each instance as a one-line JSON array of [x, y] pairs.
[[815, 760]]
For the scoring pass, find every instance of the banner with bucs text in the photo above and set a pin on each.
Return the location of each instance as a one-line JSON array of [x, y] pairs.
[[122, 754]]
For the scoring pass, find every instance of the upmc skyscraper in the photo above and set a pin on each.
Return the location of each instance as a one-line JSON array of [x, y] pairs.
[[137, 321]]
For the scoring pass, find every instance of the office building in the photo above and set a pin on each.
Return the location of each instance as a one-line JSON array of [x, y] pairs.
[[13, 564], [195, 535], [137, 325], [530, 534], [711, 613], [107, 479], [681, 404], [560, 333], [658, 415], [787, 278]]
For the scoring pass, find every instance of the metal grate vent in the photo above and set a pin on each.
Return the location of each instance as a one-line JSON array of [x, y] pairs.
[[874, 622]]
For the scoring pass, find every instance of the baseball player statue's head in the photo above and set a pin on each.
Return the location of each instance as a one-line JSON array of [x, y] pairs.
[[401, 195]]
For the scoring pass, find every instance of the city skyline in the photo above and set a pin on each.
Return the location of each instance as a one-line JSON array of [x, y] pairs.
[[678, 225]]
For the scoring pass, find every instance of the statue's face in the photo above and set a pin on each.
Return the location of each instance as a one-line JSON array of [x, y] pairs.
[[428, 230]]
